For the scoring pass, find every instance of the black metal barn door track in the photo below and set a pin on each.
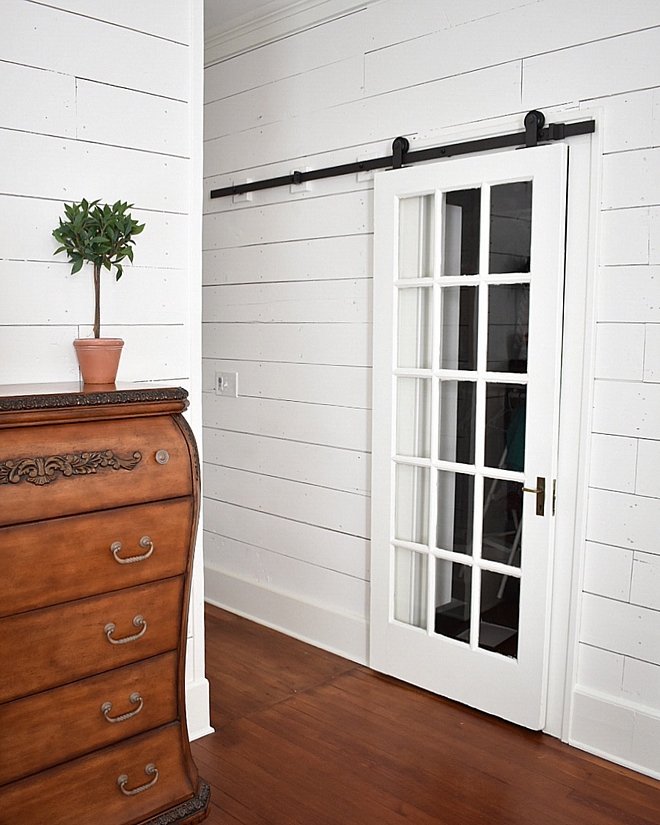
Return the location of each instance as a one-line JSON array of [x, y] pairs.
[[535, 132]]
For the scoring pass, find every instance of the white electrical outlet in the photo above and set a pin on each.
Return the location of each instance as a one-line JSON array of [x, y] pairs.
[[226, 383]]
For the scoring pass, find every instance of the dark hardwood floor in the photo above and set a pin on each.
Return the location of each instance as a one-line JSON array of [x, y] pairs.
[[303, 736]]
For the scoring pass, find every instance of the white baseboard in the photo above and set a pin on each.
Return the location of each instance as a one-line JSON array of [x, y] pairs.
[[619, 731], [338, 633], [197, 709]]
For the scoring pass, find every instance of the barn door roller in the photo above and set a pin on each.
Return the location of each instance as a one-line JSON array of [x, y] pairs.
[[535, 132]]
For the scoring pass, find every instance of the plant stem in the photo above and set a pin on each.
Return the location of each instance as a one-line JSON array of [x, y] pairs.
[[97, 300]]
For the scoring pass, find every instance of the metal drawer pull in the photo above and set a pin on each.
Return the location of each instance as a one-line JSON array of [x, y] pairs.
[[150, 770], [134, 699], [109, 629], [116, 546], [162, 456]]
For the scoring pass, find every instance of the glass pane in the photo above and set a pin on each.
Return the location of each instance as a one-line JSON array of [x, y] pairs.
[[455, 512], [499, 613], [453, 587], [413, 417], [510, 227], [456, 429], [458, 341], [508, 327], [415, 328], [461, 232], [416, 237], [411, 504], [410, 587], [502, 531], [505, 426]]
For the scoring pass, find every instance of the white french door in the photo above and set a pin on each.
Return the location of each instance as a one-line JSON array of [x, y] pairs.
[[468, 285]]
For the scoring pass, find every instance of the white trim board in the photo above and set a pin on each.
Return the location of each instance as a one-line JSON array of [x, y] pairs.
[[197, 705], [308, 622], [277, 20], [574, 420], [197, 687], [616, 730]]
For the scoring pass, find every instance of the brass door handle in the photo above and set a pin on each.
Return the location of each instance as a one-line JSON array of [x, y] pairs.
[[539, 491]]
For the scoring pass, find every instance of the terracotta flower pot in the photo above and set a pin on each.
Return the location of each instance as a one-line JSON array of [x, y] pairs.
[[98, 359]]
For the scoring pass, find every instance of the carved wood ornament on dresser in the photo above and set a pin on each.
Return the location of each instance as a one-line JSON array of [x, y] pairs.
[[99, 498]]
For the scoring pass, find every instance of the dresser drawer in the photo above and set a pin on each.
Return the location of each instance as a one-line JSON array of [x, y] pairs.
[[57, 645], [86, 791], [61, 469], [32, 728], [38, 560]]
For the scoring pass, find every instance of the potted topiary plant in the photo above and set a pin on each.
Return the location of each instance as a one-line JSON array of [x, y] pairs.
[[102, 235]]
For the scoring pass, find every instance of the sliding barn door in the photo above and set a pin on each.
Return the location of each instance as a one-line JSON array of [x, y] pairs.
[[468, 284]]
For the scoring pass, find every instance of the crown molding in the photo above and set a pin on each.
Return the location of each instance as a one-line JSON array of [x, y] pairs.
[[277, 19]]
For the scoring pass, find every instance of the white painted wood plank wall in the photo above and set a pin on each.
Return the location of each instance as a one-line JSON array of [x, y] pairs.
[[287, 307], [107, 119], [104, 100]]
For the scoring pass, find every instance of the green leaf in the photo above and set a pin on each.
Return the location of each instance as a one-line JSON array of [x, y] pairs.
[[98, 233]]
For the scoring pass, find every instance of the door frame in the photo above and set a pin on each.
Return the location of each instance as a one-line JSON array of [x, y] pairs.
[[575, 403], [575, 416]]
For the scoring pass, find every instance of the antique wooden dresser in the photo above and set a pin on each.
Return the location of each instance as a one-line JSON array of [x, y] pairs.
[[99, 495]]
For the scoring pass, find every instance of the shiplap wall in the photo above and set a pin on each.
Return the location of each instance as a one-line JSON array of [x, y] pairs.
[[104, 100], [287, 306]]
